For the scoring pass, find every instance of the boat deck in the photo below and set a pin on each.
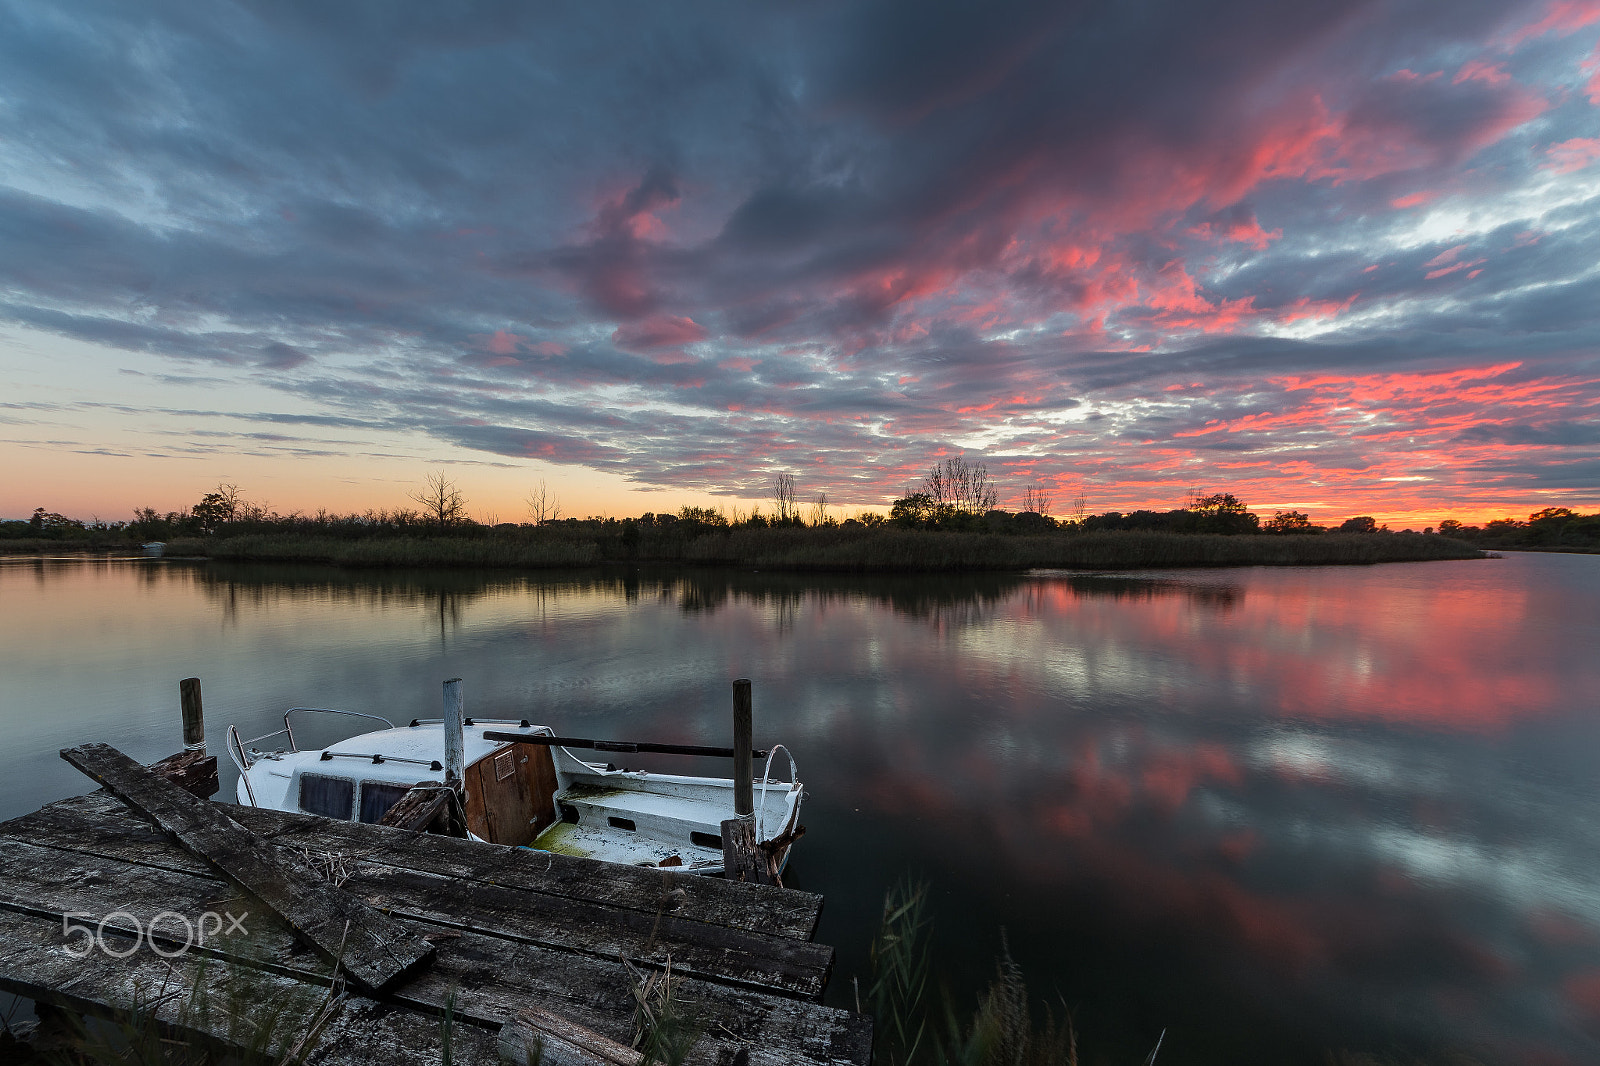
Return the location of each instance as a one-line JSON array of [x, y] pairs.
[[637, 826], [509, 929]]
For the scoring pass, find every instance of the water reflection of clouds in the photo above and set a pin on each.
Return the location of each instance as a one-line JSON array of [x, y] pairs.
[[1383, 857], [1332, 902]]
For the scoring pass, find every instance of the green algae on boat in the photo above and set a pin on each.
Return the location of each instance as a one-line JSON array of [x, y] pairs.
[[554, 839]]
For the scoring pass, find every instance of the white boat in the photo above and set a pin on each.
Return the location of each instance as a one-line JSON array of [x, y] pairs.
[[531, 793]]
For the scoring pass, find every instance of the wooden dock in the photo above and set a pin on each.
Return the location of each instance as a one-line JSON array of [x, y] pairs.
[[98, 907]]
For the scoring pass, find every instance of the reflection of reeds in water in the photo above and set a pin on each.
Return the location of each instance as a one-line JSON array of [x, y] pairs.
[[695, 591], [1137, 588]]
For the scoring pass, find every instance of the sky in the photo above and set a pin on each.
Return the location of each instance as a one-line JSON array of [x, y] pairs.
[[1338, 258]]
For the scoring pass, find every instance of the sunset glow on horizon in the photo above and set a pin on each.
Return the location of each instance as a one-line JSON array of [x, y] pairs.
[[1340, 259]]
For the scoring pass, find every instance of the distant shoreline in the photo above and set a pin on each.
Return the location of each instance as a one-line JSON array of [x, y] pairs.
[[815, 550]]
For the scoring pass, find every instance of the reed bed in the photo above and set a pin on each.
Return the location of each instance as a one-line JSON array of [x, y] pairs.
[[396, 551], [828, 548], [839, 550], [914, 550]]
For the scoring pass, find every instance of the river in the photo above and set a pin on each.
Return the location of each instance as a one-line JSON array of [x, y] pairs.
[[1277, 813]]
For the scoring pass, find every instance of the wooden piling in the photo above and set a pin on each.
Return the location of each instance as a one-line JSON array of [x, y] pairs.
[[454, 735], [194, 719], [743, 742], [742, 857]]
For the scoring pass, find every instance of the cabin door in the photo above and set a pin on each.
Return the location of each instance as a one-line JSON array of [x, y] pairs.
[[511, 794]]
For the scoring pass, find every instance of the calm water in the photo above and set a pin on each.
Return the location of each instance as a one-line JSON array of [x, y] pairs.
[[1274, 811]]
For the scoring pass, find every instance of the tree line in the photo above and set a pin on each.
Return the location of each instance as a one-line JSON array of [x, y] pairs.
[[955, 495]]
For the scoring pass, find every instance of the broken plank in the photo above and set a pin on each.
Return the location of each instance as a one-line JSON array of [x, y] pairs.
[[191, 770], [422, 806], [371, 948]]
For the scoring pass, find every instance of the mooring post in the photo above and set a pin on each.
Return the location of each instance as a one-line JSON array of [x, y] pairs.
[[455, 749], [742, 858], [743, 742], [194, 719]]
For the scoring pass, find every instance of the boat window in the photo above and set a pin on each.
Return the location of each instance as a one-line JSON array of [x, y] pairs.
[[621, 823], [377, 797], [706, 840], [331, 797]]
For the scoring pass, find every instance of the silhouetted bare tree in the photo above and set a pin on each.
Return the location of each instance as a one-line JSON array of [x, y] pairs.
[[783, 497], [441, 499], [962, 485], [543, 505]]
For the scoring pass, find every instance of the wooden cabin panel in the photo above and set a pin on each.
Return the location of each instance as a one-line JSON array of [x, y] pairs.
[[542, 769], [511, 794]]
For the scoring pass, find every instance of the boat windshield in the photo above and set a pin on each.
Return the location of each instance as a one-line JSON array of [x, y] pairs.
[[377, 797], [331, 797]]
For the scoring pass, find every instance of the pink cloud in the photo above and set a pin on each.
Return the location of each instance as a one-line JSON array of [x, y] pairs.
[[503, 343], [1416, 199], [658, 331], [1561, 17], [1442, 271], [1444, 256], [1572, 155], [1480, 70], [1445, 263], [1245, 231]]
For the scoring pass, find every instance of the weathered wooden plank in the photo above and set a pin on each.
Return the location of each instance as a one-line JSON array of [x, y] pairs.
[[98, 824], [494, 979], [127, 897], [226, 1005], [786, 913], [754, 959], [373, 949], [535, 1035], [733, 955], [761, 908], [489, 978]]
